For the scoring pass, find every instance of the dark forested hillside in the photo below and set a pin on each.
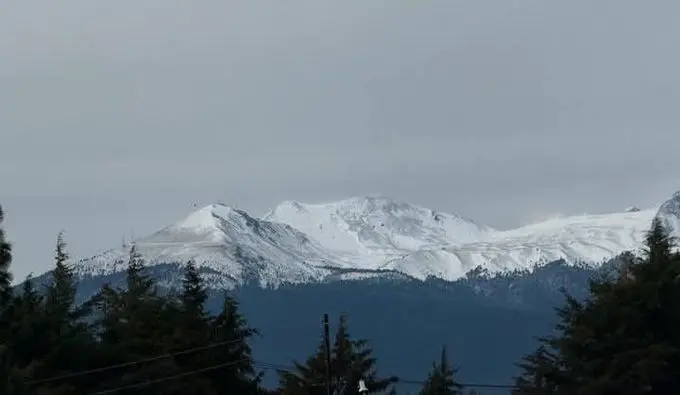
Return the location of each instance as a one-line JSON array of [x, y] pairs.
[[474, 318]]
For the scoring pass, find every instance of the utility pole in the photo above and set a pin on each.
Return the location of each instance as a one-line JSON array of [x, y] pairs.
[[327, 347]]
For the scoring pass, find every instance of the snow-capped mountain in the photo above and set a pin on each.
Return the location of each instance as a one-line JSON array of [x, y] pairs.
[[376, 225], [376, 236], [229, 241]]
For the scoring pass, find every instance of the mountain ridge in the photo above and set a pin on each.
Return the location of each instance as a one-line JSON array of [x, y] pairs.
[[369, 236]]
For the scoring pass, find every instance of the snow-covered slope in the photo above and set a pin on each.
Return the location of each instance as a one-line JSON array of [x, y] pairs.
[[360, 225], [392, 235], [230, 242], [374, 236], [583, 239]]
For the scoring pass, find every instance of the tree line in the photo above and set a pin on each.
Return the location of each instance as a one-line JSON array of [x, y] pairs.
[[623, 339]]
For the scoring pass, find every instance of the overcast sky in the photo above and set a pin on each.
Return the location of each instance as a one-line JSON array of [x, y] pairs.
[[116, 117]]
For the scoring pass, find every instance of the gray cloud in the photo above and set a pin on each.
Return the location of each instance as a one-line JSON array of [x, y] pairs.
[[117, 118]]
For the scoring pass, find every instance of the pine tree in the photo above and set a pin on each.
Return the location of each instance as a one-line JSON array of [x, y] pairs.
[[5, 262], [194, 292], [62, 291], [308, 379], [230, 326], [621, 340], [659, 244], [141, 310], [192, 330], [193, 326], [441, 380], [134, 325], [140, 286], [351, 361], [64, 331], [27, 346], [106, 308], [540, 369], [8, 370]]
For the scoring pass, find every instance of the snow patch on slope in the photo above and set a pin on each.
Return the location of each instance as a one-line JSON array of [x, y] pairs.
[[373, 224]]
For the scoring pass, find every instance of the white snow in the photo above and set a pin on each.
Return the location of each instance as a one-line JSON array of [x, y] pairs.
[[362, 225], [365, 237]]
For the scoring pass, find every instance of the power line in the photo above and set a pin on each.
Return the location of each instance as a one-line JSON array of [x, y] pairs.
[[272, 366], [260, 364], [466, 385], [397, 379], [180, 375], [132, 363], [167, 378], [263, 365]]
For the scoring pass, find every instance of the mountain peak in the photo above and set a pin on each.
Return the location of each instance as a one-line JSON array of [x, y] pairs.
[[363, 205], [206, 217], [227, 241], [372, 203], [358, 225]]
